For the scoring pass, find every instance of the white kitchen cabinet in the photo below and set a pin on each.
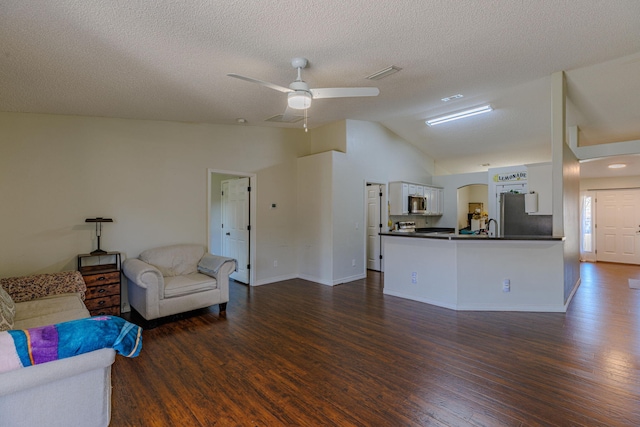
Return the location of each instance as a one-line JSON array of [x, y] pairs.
[[398, 198], [432, 200], [399, 193], [539, 181]]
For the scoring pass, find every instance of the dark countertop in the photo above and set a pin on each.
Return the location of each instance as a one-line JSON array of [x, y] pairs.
[[453, 236]]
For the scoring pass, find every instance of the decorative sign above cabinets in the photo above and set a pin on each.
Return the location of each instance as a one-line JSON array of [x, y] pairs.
[[510, 176]]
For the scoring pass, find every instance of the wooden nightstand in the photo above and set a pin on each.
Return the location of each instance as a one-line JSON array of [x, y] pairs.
[[101, 273]]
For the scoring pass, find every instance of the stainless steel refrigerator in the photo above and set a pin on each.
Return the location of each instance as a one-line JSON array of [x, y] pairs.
[[514, 221]]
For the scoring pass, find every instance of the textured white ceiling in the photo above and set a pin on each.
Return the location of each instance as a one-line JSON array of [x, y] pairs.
[[168, 60]]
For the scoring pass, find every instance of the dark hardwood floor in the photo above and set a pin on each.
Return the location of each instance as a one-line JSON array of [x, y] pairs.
[[298, 353]]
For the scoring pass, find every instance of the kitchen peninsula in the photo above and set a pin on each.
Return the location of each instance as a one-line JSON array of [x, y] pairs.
[[476, 272]]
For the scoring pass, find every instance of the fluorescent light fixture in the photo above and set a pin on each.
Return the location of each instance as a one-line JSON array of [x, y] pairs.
[[299, 100], [384, 73], [617, 166], [459, 115]]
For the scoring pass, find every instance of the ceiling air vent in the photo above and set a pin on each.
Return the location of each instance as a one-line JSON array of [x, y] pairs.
[[281, 118], [378, 75]]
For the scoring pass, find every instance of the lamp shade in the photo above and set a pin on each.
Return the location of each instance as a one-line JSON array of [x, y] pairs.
[[299, 100]]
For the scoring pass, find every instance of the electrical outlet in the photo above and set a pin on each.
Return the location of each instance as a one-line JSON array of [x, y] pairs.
[[353, 263], [414, 278], [506, 285], [275, 263]]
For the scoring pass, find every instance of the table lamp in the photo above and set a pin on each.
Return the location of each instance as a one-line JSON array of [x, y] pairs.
[[98, 221]]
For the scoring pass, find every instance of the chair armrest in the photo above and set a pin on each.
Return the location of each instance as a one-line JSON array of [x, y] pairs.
[[23, 379], [28, 288], [142, 274], [228, 266]]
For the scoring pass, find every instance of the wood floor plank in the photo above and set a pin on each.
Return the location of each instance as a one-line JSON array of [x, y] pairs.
[[300, 353]]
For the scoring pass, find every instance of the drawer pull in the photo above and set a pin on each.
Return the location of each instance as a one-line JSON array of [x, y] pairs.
[[101, 278], [102, 291], [101, 302]]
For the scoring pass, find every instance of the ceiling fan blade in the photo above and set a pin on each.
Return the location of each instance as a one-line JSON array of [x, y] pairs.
[[344, 92], [260, 82]]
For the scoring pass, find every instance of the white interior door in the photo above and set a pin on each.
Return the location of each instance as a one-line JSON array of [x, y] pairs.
[[374, 226], [618, 226], [235, 225]]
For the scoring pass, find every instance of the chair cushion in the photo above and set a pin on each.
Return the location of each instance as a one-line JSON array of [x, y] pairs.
[[174, 260], [188, 284], [49, 310]]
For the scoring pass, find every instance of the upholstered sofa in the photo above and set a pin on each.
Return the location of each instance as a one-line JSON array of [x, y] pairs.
[[75, 391], [175, 279]]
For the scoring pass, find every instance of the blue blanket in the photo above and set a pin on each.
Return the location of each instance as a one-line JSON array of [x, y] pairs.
[[21, 348]]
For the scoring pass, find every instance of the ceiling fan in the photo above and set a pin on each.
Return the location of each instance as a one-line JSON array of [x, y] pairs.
[[299, 95]]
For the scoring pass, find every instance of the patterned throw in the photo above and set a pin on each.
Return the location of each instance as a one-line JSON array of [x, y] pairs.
[[22, 348], [28, 288]]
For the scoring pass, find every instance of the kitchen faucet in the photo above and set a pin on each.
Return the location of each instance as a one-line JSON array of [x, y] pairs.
[[489, 227]]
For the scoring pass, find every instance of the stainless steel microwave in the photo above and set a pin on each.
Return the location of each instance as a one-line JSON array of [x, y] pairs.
[[417, 205]]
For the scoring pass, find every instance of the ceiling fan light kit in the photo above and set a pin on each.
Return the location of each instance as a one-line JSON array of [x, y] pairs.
[[459, 115], [299, 100]]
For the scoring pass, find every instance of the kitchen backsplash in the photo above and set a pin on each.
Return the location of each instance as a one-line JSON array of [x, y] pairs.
[[420, 220]]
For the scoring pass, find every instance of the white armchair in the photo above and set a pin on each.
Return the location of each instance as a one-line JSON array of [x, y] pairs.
[[175, 279]]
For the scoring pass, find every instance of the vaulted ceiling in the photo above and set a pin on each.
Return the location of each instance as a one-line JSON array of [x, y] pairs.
[[169, 60]]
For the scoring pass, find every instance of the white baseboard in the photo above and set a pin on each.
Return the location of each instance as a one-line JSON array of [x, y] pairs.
[[310, 279], [274, 279], [350, 279], [484, 307], [419, 299]]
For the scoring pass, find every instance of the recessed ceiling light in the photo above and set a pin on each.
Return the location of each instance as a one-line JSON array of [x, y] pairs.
[[451, 98], [241, 120], [459, 115], [617, 166], [383, 73]]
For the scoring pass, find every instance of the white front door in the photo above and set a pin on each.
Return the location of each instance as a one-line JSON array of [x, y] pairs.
[[235, 225], [374, 226], [618, 226]]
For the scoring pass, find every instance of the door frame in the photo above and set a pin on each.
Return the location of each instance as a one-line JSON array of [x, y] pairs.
[[253, 183], [588, 256]]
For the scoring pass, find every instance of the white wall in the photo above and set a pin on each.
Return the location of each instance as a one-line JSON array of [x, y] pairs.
[[315, 217], [149, 176], [373, 154], [469, 274]]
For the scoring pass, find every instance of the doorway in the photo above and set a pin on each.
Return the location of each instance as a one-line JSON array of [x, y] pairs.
[[375, 216], [470, 198], [231, 217], [618, 226]]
